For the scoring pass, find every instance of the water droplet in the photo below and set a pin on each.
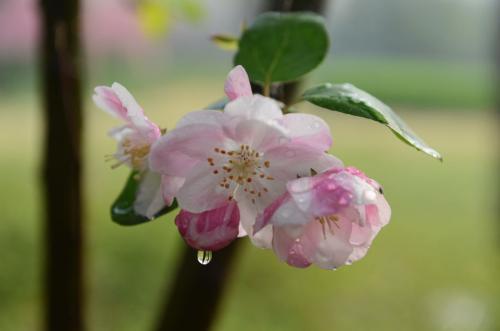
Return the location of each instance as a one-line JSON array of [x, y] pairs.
[[370, 196], [204, 257]]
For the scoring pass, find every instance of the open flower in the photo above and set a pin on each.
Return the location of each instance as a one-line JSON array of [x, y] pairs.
[[137, 134], [244, 154], [329, 219], [134, 140]]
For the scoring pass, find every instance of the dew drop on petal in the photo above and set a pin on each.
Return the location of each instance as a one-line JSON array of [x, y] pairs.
[[204, 257], [370, 196]]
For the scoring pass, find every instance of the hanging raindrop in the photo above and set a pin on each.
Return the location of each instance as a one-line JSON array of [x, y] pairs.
[[204, 257]]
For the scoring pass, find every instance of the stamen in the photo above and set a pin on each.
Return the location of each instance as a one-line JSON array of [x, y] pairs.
[[328, 220], [244, 166]]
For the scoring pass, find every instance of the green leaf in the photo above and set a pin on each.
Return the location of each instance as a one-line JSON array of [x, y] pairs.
[[281, 47], [225, 42], [122, 210], [348, 99]]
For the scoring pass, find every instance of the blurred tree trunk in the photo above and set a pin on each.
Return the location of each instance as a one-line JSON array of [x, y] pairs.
[[60, 85], [195, 295]]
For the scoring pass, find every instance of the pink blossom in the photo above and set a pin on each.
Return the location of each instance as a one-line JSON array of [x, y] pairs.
[[329, 219], [134, 139], [237, 84], [210, 230], [246, 154], [136, 136]]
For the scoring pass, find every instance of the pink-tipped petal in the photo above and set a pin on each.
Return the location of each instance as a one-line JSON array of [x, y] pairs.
[[179, 150], [241, 231], [170, 185], [213, 117], [288, 249], [265, 218], [237, 83], [127, 100], [308, 130], [259, 135], [255, 107], [248, 215], [210, 230], [149, 200], [106, 99], [332, 247], [118, 101], [201, 190], [289, 161]]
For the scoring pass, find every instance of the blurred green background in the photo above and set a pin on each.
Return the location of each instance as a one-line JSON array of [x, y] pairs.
[[435, 267]]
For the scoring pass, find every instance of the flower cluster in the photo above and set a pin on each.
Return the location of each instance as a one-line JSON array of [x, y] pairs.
[[251, 170]]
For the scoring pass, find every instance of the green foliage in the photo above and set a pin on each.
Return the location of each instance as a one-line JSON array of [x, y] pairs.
[[280, 47], [428, 84], [348, 99], [122, 210]]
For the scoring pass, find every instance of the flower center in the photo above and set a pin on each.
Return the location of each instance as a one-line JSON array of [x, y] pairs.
[[327, 222], [135, 154], [243, 168]]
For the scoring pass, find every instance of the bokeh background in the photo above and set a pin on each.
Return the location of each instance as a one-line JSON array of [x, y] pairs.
[[435, 267]]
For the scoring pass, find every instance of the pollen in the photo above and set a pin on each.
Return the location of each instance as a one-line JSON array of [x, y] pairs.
[[132, 153], [241, 167], [327, 222]]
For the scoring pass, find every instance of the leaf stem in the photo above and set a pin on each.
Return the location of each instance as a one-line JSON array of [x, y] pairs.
[[267, 89]]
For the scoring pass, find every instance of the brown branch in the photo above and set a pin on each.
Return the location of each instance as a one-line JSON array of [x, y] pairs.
[[197, 290], [62, 165]]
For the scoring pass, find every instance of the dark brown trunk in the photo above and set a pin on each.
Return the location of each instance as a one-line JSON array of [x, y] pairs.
[[60, 69], [196, 293], [192, 302]]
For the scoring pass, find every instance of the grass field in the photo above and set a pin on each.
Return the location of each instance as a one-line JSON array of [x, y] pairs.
[[435, 267], [426, 83]]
